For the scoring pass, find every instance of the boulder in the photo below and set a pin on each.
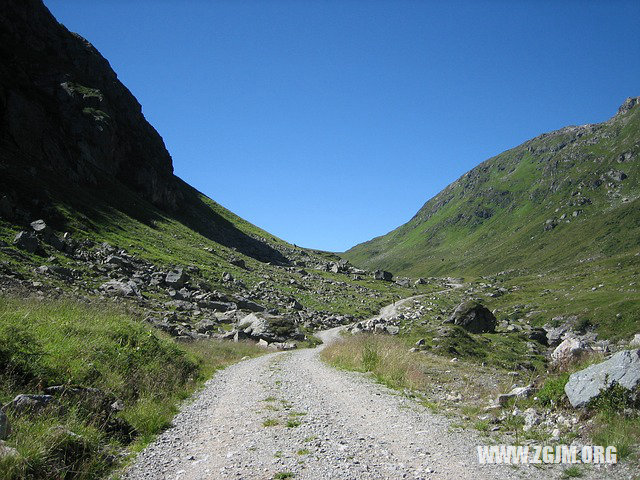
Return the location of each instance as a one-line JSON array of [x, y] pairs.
[[635, 341], [570, 349], [296, 305], [47, 234], [531, 419], [29, 242], [39, 226], [283, 345], [621, 369], [392, 329], [383, 275], [616, 175], [555, 335], [238, 262], [206, 326], [117, 261], [176, 278], [120, 289], [518, 392], [217, 306], [272, 328], [245, 304], [473, 317], [29, 403]]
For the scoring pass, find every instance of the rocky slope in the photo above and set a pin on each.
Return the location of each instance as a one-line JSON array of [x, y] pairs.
[[557, 199]]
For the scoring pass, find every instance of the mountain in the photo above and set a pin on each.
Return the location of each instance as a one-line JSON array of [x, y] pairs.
[[557, 200], [78, 158]]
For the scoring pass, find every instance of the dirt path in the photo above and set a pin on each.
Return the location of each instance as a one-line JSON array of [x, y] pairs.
[[289, 412]]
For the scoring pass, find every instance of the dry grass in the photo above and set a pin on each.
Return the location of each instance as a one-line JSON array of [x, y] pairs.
[[389, 360]]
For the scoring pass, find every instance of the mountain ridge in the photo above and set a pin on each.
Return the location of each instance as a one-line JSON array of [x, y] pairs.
[[561, 153]]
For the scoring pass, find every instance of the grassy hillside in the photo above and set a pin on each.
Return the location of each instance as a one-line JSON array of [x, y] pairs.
[[111, 358], [560, 198]]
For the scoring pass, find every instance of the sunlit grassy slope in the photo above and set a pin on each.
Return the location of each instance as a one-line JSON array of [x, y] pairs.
[[493, 217]]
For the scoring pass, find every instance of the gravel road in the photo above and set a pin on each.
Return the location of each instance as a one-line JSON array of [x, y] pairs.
[[290, 413]]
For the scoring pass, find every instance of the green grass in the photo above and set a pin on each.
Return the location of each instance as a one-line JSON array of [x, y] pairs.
[[572, 472], [552, 391], [283, 475], [270, 422], [47, 343]]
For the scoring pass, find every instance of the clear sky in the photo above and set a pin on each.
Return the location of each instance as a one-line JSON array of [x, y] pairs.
[[330, 122]]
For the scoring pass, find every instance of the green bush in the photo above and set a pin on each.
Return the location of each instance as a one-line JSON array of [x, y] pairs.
[[552, 391]]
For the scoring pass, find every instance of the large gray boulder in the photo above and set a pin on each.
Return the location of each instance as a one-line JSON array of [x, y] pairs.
[[473, 317], [570, 349], [177, 278], [45, 232], [383, 275], [622, 369], [29, 403]]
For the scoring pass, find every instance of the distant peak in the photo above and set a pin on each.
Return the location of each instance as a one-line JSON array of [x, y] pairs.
[[628, 104]]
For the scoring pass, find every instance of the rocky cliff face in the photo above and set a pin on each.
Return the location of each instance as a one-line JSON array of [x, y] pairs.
[[63, 109]]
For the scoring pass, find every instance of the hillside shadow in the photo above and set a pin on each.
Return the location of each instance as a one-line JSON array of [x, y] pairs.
[[93, 205]]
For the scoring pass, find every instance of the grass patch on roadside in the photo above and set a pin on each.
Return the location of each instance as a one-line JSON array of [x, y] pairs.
[[99, 346], [391, 363]]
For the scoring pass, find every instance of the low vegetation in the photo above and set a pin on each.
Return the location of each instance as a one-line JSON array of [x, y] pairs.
[[53, 343]]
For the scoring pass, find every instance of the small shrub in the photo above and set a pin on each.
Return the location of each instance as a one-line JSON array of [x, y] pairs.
[[552, 391]]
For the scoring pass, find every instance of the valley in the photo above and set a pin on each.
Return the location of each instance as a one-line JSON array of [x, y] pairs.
[[148, 332]]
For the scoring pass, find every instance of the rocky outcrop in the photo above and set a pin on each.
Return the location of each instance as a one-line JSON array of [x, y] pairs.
[[63, 109], [621, 369]]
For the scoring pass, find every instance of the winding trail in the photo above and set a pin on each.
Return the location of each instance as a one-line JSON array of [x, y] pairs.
[[289, 412]]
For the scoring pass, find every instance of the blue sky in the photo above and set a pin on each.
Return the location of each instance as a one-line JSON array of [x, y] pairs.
[[330, 122]]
